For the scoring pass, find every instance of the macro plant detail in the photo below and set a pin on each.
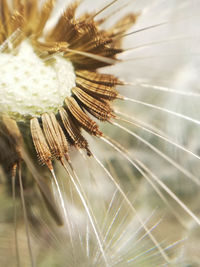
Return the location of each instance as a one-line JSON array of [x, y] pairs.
[[79, 41], [72, 38], [56, 99]]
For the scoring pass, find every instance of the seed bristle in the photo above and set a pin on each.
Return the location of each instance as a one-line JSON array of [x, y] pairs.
[[5, 16], [64, 26], [44, 16], [101, 110], [96, 89], [99, 78], [55, 136], [122, 25], [40, 143], [73, 130], [50, 47], [82, 118]]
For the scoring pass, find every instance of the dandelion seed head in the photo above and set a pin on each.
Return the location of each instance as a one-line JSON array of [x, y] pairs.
[[99, 147], [29, 86]]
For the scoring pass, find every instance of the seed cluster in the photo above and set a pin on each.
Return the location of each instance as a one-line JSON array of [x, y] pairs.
[[88, 47]]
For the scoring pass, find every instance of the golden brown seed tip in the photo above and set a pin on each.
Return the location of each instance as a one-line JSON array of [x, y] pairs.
[[40, 143], [100, 78], [55, 136], [96, 89], [73, 131], [44, 16], [82, 118], [101, 110]]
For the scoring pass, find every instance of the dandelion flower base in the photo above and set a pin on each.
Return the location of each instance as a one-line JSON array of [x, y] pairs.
[[30, 85]]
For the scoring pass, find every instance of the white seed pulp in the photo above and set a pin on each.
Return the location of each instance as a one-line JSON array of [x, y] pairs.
[[29, 86]]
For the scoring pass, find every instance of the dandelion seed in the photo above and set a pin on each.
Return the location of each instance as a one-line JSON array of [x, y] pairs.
[[58, 101]]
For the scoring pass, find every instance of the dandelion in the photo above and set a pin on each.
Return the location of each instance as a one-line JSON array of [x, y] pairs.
[[87, 151]]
